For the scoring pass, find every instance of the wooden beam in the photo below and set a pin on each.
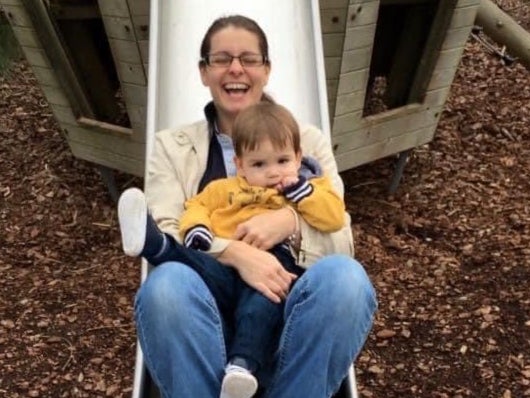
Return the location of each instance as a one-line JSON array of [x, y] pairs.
[[92, 59], [408, 2], [432, 48], [70, 11], [58, 57], [409, 50], [505, 31], [104, 127]]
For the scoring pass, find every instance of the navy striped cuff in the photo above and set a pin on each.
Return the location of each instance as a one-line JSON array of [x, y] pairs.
[[199, 238], [302, 189]]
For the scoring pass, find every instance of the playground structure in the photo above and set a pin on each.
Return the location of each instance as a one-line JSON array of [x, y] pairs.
[[373, 74], [91, 59]]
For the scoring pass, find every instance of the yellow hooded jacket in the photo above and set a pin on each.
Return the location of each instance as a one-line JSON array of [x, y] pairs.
[[227, 202]]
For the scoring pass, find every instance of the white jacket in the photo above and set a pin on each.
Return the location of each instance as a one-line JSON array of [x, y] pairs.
[[177, 164]]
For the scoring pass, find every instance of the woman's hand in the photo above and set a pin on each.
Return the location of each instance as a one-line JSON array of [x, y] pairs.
[[267, 229], [259, 269]]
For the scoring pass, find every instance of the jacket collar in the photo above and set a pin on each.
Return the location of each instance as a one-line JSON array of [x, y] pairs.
[[214, 165], [211, 116], [199, 136]]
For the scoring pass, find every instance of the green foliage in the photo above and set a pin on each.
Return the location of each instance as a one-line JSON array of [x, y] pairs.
[[9, 48]]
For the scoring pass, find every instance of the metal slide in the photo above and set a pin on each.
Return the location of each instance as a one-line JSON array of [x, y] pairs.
[[176, 95]]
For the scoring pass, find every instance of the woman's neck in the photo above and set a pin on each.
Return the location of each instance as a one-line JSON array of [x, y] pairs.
[[225, 124]]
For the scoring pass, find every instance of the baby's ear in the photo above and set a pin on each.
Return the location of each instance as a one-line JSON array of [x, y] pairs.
[[239, 166], [299, 158]]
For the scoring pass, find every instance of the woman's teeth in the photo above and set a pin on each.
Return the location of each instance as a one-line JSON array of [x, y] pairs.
[[236, 87]]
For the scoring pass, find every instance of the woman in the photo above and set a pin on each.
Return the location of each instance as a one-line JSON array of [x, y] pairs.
[[183, 332]]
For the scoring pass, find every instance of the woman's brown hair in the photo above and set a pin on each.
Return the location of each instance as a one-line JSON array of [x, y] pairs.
[[237, 21]]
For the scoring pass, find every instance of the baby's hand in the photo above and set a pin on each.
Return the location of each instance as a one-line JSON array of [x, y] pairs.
[[297, 190], [286, 182]]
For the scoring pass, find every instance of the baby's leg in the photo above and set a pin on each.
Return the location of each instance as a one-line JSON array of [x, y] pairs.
[[257, 323]]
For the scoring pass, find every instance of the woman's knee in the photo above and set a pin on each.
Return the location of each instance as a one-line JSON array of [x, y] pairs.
[[167, 288], [343, 280]]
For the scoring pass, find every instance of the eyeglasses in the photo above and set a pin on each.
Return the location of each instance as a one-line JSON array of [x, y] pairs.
[[224, 60]]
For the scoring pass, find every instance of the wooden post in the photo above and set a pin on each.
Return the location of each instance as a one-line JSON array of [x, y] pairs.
[[9, 48], [505, 31]]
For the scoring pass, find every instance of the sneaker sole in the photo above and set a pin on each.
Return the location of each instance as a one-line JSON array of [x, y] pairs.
[[238, 385], [132, 216]]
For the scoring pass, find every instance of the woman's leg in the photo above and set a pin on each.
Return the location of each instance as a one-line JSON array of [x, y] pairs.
[[328, 315], [181, 332], [222, 281]]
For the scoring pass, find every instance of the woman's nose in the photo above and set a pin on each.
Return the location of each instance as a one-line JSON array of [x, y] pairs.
[[235, 66]]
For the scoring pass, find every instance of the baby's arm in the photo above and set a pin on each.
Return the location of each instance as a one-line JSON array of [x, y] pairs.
[[195, 226], [198, 238], [317, 202]]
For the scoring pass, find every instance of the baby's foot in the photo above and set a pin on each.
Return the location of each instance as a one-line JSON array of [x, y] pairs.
[[132, 216], [238, 383]]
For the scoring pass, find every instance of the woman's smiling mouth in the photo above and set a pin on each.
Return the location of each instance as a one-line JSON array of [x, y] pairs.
[[236, 88]]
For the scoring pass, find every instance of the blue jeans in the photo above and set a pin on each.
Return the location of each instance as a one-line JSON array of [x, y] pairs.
[[252, 322], [327, 316]]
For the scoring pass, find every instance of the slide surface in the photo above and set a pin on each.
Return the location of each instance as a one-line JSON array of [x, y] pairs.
[[176, 95]]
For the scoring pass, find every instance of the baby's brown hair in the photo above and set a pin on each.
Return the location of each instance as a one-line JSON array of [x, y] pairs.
[[265, 120]]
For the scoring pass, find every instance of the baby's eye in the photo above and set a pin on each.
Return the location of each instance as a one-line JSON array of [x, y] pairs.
[[257, 164]]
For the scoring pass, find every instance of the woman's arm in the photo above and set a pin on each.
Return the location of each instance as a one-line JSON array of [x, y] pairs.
[[315, 244], [259, 269], [164, 185], [268, 229]]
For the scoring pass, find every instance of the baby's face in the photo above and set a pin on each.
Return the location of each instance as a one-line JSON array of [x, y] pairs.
[[267, 166]]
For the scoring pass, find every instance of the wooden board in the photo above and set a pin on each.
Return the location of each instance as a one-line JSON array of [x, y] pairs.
[[16, 14], [126, 24], [380, 149], [358, 140], [118, 161], [114, 150]]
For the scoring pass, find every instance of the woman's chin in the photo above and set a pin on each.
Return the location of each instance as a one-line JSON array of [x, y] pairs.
[[234, 107], [235, 102]]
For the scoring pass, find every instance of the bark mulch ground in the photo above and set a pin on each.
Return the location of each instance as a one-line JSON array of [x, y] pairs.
[[449, 252]]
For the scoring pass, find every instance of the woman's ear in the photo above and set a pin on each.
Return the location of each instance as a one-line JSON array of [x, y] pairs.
[[204, 73], [267, 73], [269, 67]]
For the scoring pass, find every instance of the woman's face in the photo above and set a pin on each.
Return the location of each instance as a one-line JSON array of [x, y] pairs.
[[234, 87]]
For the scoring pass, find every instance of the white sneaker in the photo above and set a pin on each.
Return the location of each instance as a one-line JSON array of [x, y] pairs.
[[132, 216], [238, 383]]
